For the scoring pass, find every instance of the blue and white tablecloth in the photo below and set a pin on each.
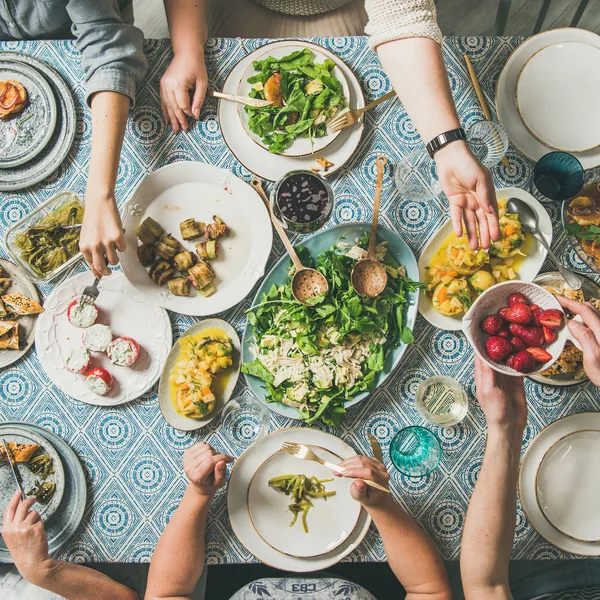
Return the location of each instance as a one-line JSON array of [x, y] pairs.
[[133, 458]]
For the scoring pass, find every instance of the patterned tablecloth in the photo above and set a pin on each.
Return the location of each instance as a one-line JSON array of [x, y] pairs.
[[133, 458]]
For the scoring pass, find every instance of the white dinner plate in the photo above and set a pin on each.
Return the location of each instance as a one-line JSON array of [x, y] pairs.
[[506, 88], [172, 417], [557, 96], [271, 166], [528, 270], [330, 522], [127, 313], [530, 464], [302, 146], [568, 486], [184, 190], [237, 500]]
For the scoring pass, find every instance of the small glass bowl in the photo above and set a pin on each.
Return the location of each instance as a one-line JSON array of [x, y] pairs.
[[415, 451], [416, 177], [244, 420]]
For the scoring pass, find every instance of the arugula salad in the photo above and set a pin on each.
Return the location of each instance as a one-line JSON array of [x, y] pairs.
[[304, 93], [317, 357]]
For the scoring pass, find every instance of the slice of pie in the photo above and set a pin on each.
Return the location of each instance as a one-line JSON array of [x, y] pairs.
[[9, 335], [21, 305], [20, 453]]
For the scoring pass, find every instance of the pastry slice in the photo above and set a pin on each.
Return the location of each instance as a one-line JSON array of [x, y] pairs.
[[9, 335], [3, 311], [20, 453], [21, 305], [4, 283]]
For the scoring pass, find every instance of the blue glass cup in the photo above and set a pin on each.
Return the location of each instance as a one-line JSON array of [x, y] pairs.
[[415, 451], [557, 176]]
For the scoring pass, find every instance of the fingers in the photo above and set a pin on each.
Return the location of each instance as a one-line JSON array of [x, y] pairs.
[[360, 461], [99, 262], [590, 316], [471, 227], [11, 509], [178, 112], [585, 336], [121, 244], [486, 198], [198, 100], [484, 231], [111, 255], [32, 518], [182, 97], [220, 473], [359, 490], [456, 213], [23, 509]]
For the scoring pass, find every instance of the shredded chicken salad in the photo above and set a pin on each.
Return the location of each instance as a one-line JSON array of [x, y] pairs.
[[315, 358]]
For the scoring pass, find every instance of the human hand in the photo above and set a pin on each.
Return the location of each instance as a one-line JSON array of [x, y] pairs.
[[186, 74], [361, 468], [205, 468], [502, 398], [25, 538], [470, 190], [101, 235], [587, 334]]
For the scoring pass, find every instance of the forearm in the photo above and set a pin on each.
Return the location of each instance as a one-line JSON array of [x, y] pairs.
[[416, 69], [76, 582], [187, 25], [410, 553], [178, 560], [491, 518]]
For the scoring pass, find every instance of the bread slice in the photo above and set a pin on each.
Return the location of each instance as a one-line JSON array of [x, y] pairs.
[[9, 335], [20, 453], [21, 305]]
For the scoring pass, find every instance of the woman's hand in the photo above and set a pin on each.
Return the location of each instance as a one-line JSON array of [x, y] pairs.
[[361, 468], [587, 334], [206, 469], [502, 398], [186, 76], [470, 190], [101, 235]]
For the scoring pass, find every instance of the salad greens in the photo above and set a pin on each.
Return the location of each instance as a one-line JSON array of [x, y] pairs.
[[304, 94], [317, 357]]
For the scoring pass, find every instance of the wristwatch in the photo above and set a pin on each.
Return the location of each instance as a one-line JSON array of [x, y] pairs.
[[444, 139]]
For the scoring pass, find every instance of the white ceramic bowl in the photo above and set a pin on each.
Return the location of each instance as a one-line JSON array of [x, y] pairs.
[[491, 301]]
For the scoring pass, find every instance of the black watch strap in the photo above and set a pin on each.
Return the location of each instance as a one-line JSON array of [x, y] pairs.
[[444, 139]]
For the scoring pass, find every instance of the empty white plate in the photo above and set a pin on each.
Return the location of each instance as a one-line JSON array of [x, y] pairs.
[[568, 485], [330, 522], [557, 96]]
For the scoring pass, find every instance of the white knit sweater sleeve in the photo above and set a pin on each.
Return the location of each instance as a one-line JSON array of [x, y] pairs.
[[396, 19]]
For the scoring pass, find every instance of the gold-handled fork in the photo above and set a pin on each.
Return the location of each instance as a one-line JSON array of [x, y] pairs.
[[305, 453], [255, 102], [350, 117]]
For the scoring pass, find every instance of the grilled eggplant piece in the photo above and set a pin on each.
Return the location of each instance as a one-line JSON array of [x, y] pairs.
[[161, 271], [4, 284], [201, 275], [207, 250], [191, 229], [209, 290], [149, 231], [145, 254], [184, 260], [216, 229], [180, 286], [168, 247]]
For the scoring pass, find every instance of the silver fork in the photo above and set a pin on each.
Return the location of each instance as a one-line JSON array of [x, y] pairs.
[[90, 293], [305, 453], [350, 117]]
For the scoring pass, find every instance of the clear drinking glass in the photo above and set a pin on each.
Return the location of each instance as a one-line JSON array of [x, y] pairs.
[[244, 420], [415, 451], [416, 177], [557, 176], [488, 142], [441, 401]]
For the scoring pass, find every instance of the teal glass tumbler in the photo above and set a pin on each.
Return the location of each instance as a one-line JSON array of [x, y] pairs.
[[415, 451]]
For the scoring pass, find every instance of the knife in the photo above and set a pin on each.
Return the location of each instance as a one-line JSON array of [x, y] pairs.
[[13, 468], [376, 448]]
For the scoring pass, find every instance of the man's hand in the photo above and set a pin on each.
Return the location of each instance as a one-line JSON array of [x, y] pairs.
[[587, 334], [185, 76], [502, 398], [101, 235], [470, 190], [205, 468], [25, 538], [361, 468]]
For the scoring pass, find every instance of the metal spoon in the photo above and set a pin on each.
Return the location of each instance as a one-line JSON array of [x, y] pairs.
[[369, 277], [306, 283], [529, 220]]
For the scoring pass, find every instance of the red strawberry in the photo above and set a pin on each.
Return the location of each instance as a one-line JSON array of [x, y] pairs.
[[532, 336], [549, 335], [517, 299], [524, 362], [502, 312], [536, 316], [533, 307], [540, 355], [552, 318], [510, 361], [518, 344], [492, 324], [519, 313], [498, 348], [504, 332]]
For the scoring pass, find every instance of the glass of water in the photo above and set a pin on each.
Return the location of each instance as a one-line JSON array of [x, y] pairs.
[[441, 401], [488, 142], [244, 420], [415, 451], [416, 177]]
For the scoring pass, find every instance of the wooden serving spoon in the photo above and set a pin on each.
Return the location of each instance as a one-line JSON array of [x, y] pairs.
[[306, 283], [369, 277]]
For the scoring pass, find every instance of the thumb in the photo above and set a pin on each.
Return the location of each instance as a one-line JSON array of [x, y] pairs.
[[220, 473], [358, 490], [198, 100]]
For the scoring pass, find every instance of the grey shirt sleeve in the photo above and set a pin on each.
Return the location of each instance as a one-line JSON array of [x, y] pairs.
[[112, 51]]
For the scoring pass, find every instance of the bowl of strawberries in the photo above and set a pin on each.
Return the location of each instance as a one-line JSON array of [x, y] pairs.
[[517, 328]]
